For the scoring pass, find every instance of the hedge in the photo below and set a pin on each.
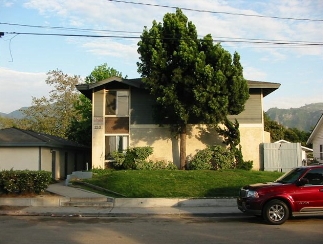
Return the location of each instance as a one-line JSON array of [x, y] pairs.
[[24, 181]]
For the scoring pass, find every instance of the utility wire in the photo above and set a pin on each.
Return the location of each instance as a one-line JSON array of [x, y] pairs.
[[236, 40], [217, 12], [223, 39], [68, 28]]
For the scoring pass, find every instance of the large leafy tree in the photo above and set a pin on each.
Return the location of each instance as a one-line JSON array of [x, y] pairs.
[[53, 115], [80, 129], [102, 72], [193, 80]]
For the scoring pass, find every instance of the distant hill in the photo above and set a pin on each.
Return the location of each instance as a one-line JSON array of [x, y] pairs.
[[17, 114], [303, 118]]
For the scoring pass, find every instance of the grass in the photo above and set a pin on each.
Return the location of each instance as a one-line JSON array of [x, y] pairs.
[[178, 183]]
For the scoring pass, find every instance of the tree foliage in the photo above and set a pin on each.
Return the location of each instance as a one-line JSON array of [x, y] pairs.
[[80, 128], [53, 115], [102, 72], [6, 122], [279, 132], [193, 80]]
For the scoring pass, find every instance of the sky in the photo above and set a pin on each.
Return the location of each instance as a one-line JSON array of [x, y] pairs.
[[279, 41]]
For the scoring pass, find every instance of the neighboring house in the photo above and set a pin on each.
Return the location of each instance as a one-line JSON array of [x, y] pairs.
[[305, 150], [29, 150], [316, 139], [122, 118]]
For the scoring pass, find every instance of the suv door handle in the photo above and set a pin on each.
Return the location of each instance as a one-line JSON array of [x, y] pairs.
[[321, 190]]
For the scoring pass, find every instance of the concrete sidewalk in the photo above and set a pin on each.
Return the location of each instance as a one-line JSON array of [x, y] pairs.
[[70, 201]]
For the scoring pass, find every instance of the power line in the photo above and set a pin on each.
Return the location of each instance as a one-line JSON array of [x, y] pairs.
[[217, 12], [67, 28], [219, 39]]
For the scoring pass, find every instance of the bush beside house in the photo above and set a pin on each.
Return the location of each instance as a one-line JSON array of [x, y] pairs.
[[24, 181]]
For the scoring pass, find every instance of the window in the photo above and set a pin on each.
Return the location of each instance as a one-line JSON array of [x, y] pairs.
[[115, 143], [321, 152], [117, 103], [315, 177]]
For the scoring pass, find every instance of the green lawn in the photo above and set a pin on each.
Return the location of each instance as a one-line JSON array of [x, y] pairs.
[[178, 183]]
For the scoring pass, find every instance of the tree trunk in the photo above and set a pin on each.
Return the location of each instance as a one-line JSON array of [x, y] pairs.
[[183, 147]]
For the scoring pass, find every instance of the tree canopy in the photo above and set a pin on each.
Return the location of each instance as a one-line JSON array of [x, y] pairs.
[[53, 115], [102, 72], [280, 132], [194, 80], [80, 128]]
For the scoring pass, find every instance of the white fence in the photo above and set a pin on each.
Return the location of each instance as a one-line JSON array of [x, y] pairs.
[[281, 157]]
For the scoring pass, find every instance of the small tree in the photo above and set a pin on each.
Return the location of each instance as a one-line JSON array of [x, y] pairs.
[[231, 135], [193, 80], [53, 115]]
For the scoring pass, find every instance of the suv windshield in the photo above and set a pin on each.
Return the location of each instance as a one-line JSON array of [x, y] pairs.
[[291, 176]]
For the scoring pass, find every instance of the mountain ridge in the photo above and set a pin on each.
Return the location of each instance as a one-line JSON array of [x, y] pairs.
[[303, 118]]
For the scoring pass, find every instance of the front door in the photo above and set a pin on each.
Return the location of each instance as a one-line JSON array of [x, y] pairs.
[[54, 165]]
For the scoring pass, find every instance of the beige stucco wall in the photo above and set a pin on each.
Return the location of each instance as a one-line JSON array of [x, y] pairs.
[[167, 148], [251, 136], [30, 158], [98, 150], [19, 158], [198, 138], [46, 159]]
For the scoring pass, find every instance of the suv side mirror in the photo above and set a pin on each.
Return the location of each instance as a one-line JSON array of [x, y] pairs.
[[302, 182]]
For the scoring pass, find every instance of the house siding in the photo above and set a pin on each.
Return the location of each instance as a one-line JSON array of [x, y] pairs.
[[141, 106], [253, 112], [98, 129], [316, 146], [19, 158], [199, 137], [144, 132]]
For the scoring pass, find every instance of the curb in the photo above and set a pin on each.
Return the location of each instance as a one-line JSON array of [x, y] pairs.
[[53, 201], [119, 214]]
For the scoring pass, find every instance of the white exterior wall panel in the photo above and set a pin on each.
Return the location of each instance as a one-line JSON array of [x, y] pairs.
[[19, 158]]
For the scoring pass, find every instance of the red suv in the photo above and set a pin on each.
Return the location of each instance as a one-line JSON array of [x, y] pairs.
[[296, 193]]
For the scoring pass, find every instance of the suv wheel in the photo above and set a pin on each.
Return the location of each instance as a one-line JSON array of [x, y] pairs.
[[275, 212]]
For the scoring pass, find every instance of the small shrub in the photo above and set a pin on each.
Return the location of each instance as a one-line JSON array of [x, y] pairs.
[[158, 165], [118, 158], [24, 181], [212, 157], [201, 160], [222, 158], [131, 157], [246, 165]]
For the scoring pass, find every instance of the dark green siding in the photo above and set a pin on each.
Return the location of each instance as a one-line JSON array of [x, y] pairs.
[[141, 107], [253, 110]]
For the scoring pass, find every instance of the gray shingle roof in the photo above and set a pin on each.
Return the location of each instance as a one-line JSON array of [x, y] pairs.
[[14, 137], [87, 89]]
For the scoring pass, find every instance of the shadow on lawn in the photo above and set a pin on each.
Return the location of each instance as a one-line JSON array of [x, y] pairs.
[[223, 192]]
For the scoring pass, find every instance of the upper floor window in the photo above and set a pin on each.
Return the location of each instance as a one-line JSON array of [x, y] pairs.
[[117, 103], [321, 152]]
